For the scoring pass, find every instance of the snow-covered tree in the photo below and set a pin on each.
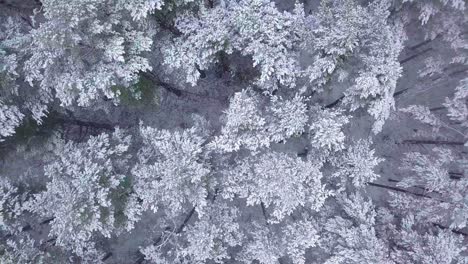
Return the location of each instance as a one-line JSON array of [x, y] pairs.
[[340, 32], [444, 21], [11, 207], [253, 122], [298, 237], [87, 192], [22, 252], [457, 107], [213, 235], [438, 246], [10, 114], [253, 28], [172, 170], [17, 230], [279, 169], [10, 118], [244, 125], [379, 44], [457, 113], [429, 9], [270, 243], [444, 200], [263, 246], [356, 165], [208, 239], [279, 181], [353, 238], [82, 48], [326, 129], [444, 196]]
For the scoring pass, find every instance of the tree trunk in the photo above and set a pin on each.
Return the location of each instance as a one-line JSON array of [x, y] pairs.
[[166, 86], [458, 232], [334, 103], [432, 142], [397, 189], [405, 60]]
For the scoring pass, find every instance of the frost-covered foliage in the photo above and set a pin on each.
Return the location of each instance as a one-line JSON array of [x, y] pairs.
[[208, 239], [82, 48], [457, 114], [251, 125], [255, 28], [172, 169], [212, 235], [429, 9], [244, 125], [439, 173], [457, 106], [21, 252], [16, 246], [342, 31], [262, 247], [73, 51], [444, 19], [10, 114], [357, 165], [353, 239], [10, 118], [11, 206], [445, 197], [298, 237], [267, 246], [279, 181], [438, 246], [423, 115], [378, 45], [326, 129], [140, 8], [267, 171], [86, 194]]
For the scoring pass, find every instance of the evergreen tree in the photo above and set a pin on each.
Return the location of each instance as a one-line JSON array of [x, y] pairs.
[[87, 192], [172, 170], [278, 180]]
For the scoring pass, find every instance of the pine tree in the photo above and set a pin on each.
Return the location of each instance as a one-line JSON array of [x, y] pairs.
[[298, 237], [20, 243], [326, 129], [253, 122], [263, 247], [11, 205], [443, 195], [172, 170], [10, 119], [208, 239], [253, 28], [22, 252], [356, 165], [279, 181], [83, 48], [438, 246], [444, 198], [353, 238], [87, 191]]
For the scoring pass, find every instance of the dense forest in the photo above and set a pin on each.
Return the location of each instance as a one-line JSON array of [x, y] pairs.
[[234, 131]]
